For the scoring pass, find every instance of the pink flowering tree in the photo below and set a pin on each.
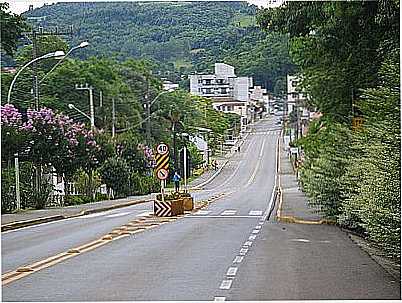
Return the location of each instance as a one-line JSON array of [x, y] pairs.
[[48, 138], [12, 137]]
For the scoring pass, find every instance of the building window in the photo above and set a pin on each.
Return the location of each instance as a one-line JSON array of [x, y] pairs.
[[207, 91], [208, 82], [224, 90], [199, 81], [295, 95]]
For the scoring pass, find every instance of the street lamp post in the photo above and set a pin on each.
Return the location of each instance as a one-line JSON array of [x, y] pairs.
[[82, 45], [148, 108], [56, 55]]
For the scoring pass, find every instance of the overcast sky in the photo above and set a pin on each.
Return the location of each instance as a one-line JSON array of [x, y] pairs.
[[20, 6]]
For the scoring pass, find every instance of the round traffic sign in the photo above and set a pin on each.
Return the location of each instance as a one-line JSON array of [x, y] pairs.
[[162, 174], [162, 148]]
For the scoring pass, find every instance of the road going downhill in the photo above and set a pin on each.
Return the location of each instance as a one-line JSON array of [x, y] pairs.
[[224, 252]]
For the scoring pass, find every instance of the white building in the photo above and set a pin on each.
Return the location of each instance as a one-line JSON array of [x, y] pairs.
[[228, 92], [169, 86]]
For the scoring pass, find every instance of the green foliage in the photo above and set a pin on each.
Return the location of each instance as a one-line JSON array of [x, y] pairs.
[[348, 56], [87, 182], [8, 195], [115, 174], [332, 44], [372, 182], [325, 148], [12, 25], [78, 199], [142, 185]]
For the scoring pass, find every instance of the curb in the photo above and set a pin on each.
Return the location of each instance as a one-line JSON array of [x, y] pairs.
[[293, 219], [26, 223], [20, 224], [211, 178]]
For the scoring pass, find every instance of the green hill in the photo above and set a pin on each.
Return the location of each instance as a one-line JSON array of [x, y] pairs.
[[188, 35]]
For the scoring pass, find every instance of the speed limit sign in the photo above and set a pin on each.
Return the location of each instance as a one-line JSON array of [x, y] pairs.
[[162, 148]]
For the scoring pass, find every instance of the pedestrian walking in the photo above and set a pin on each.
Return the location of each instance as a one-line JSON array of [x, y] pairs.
[[176, 180]]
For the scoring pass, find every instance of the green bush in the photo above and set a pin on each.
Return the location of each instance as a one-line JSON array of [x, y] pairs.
[[115, 173], [142, 185], [77, 200], [101, 197]]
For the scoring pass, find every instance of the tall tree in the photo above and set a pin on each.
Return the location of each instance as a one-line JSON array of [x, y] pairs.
[[12, 25]]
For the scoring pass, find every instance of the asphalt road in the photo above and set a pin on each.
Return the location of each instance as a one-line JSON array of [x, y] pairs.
[[226, 251]]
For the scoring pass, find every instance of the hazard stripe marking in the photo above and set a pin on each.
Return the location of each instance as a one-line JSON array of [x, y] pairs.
[[162, 209]]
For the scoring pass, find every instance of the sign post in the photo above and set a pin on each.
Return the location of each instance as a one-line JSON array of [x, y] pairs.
[[162, 165], [185, 169]]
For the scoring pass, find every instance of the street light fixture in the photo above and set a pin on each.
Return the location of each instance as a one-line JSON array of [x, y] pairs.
[[148, 108], [55, 55], [81, 45]]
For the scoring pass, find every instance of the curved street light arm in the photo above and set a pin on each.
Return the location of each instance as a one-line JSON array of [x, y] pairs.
[[49, 55], [83, 44], [71, 106]]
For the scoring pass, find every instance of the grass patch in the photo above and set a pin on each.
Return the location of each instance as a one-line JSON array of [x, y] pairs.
[[243, 21]]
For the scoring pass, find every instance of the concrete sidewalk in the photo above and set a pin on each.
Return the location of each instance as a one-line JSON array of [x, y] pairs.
[[293, 203]]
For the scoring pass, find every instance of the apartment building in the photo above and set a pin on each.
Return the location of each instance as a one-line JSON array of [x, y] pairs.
[[228, 92]]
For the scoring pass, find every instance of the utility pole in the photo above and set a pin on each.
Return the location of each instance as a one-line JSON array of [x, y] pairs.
[[91, 102], [297, 118], [17, 182], [148, 105], [185, 168], [34, 69], [34, 35], [113, 118]]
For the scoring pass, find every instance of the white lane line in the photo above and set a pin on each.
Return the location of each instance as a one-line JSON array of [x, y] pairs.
[[258, 227], [255, 213], [255, 231], [147, 213], [219, 298], [226, 284], [271, 201], [238, 259], [262, 148], [232, 271], [243, 251], [229, 213], [261, 222], [248, 243], [220, 216], [300, 240], [252, 237], [93, 215], [118, 215], [203, 212]]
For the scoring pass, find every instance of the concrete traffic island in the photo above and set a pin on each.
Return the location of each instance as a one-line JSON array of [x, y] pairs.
[[173, 204]]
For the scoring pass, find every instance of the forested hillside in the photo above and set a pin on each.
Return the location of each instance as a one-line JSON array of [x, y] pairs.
[[180, 37]]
